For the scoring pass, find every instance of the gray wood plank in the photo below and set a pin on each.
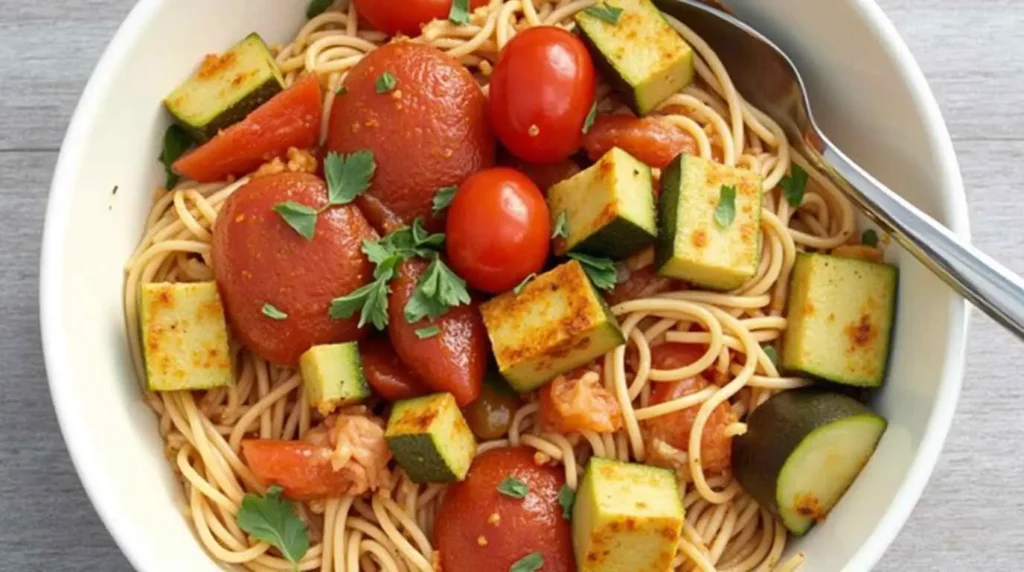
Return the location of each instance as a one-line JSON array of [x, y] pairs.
[[973, 56]]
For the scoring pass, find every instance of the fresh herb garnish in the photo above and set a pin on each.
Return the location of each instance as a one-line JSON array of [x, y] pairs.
[[794, 185], [348, 176], [566, 498], [317, 7], [601, 271], [176, 142], [443, 199], [591, 116], [272, 519], [603, 11], [529, 563], [437, 291], [519, 287], [869, 238], [342, 90], [513, 487], [300, 217], [271, 311], [561, 229], [726, 211], [428, 332], [772, 354], [459, 14], [386, 82]]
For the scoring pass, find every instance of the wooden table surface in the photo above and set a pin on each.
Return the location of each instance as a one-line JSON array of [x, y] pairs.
[[971, 515]]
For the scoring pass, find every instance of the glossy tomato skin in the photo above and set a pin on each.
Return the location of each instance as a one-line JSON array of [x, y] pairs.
[[533, 524], [386, 373], [454, 360], [651, 140], [499, 230], [408, 16], [259, 259], [429, 132], [541, 91]]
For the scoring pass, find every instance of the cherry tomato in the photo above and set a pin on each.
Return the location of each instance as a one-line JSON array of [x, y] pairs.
[[651, 140], [510, 528], [455, 359], [408, 16], [542, 89], [386, 373], [499, 230]]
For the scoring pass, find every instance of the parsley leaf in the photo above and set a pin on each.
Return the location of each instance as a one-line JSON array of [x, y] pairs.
[[566, 498], [869, 238], [601, 271], [348, 176], [272, 519], [300, 217], [317, 7], [386, 82], [437, 290], [428, 332], [591, 116], [176, 142], [443, 199], [529, 563], [342, 90], [513, 487], [794, 185], [561, 229], [726, 211], [519, 287], [772, 354], [271, 311], [372, 299], [603, 11], [459, 13]]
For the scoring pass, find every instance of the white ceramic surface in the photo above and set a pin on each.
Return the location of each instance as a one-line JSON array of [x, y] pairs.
[[868, 94]]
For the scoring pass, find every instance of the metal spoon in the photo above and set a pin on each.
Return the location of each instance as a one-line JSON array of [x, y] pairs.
[[753, 62]]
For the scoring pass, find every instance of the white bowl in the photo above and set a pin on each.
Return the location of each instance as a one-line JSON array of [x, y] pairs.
[[868, 93]]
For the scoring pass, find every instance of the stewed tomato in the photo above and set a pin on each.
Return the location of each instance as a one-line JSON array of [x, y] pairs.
[[478, 528], [408, 16], [542, 89], [499, 230], [650, 139]]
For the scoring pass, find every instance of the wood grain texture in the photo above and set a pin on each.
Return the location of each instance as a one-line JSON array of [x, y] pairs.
[[970, 514]]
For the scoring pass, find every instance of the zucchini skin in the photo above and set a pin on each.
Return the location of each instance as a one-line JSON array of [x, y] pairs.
[[618, 240], [776, 429], [234, 114]]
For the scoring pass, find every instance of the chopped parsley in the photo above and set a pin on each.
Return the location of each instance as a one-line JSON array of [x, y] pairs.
[[428, 332], [459, 14], [300, 217], [561, 229], [604, 12], [317, 7], [529, 563], [272, 519], [176, 142], [566, 498], [869, 238], [726, 211], [794, 185], [271, 311], [591, 117], [519, 287], [772, 354], [601, 271], [443, 199], [348, 176], [386, 82], [342, 90], [513, 487]]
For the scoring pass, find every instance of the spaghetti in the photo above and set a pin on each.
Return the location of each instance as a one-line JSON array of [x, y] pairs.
[[391, 530]]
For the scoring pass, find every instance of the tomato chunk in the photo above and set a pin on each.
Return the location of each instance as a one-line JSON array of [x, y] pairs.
[[651, 140], [570, 404], [290, 119], [454, 360], [259, 259], [642, 283], [386, 373], [408, 16], [510, 528]]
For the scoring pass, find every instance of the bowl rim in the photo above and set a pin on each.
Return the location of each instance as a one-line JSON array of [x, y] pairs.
[[59, 374]]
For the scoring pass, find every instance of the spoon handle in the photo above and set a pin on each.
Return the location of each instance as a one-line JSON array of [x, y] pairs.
[[984, 282]]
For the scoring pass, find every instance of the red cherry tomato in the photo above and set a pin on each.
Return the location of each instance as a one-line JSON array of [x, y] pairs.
[[542, 89], [510, 528], [407, 16], [499, 230], [387, 373]]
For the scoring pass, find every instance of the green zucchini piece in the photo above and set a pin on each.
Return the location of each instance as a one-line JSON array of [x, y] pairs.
[[430, 439], [556, 323], [641, 55], [802, 450], [841, 315], [226, 88], [609, 208], [626, 516], [184, 336], [333, 376], [692, 245]]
